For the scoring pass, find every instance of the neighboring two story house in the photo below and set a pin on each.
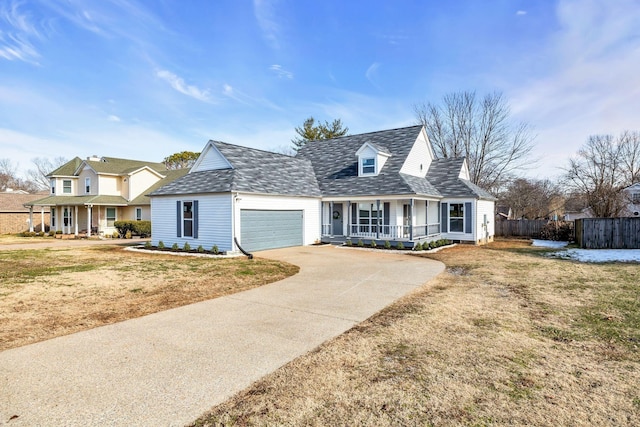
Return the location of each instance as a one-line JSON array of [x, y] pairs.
[[89, 195], [382, 186], [633, 200]]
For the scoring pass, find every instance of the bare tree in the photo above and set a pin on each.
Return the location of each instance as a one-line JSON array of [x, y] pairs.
[[601, 169], [533, 199], [629, 142], [44, 166], [480, 130], [9, 178]]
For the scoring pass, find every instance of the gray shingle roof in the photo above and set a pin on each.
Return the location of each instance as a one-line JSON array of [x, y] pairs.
[[336, 166], [254, 171], [444, 173]]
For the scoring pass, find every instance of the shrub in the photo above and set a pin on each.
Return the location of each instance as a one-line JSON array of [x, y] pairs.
[[127, 234], [360, 243], [52, 233], [387, 244], [348, 242], [58, 231], [175, 247], [140, 228], [200, 249], [115, 235], [400, 246], [186, 247], [161, 245], [373, 244], [147, 245], [418, 247], [215, 249], [557, 230]]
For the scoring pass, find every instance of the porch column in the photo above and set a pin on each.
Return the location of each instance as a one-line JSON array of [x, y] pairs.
[[58, 216], [330, 218], [411, 219], [349, 218], [88, 220], [75, 222], [31, 218], [42, 218], [378, 219]]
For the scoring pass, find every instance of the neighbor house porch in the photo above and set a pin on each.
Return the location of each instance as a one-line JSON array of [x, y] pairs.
[[408, 220]]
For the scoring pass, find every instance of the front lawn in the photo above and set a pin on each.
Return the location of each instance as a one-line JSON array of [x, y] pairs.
[[506, 336], [46, 293]]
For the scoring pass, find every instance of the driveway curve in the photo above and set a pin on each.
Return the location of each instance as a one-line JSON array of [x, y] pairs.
[[168, 368]]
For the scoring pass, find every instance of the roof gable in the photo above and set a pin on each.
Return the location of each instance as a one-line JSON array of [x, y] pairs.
[[336, 167], [210, 159], [253, 171]]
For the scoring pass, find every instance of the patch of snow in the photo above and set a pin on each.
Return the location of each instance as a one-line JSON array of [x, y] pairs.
[[599, 255], [549, 244]]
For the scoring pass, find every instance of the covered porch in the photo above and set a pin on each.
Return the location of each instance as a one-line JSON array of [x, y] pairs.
[[82, 215], [407, 220]]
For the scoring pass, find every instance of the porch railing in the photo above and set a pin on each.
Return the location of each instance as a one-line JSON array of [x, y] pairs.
[[387, 232]]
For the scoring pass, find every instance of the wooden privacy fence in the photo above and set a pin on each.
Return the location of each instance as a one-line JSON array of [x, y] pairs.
[[529, 228], [608, 233]]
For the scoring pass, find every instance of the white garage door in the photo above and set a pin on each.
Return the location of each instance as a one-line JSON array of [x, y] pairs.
[[267, 229]]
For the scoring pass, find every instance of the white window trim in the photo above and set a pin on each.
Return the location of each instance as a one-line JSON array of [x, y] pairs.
[[53, 186], [184, 236], [449, 217], [106, 216], [138, 217], [87, 185], [362, 166], [64, 187]]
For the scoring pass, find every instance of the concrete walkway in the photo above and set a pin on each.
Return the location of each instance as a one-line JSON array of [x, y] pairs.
[[168, 368]]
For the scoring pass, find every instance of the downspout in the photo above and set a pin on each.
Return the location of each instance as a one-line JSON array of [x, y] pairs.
[[233, 226]]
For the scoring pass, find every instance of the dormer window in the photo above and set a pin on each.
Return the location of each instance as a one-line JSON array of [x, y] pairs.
[[371, 159], [369, 165]]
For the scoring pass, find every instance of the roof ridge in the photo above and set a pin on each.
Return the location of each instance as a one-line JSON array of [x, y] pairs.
[[254, 149], [370, 133]]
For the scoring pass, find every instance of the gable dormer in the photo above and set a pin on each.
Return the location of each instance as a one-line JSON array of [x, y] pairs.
[[210, 159], [371, 159], [420, 157]]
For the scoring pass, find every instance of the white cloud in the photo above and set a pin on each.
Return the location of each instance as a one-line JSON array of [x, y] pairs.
[[264, 12], [521, 12], [281, 72], [15, 43], [590, 84], [371, 73], [179, 84], [113, 118]]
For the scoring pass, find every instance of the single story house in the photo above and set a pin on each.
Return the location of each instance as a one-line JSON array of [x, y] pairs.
[[90, 195], [15, 217], [382, 186]]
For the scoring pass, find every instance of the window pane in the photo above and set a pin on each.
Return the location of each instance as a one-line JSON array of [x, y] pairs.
[[111, 216], [369, 165], [188, 228], [187, 210], [66, 186], [456, 225]]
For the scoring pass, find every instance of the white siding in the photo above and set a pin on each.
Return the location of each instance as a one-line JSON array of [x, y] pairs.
[[139, 182], [419, 159], [60, 187], [485, 207], [464, 171], [309, 205], [214, 221], [210, 159], [108, 185]]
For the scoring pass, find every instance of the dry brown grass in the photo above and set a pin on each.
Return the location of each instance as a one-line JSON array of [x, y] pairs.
[[504, 337], [46, 293]]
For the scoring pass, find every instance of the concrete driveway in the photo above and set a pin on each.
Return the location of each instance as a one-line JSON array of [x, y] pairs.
[[168, 368]]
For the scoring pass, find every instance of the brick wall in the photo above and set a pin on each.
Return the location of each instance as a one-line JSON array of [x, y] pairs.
[[18, 222]]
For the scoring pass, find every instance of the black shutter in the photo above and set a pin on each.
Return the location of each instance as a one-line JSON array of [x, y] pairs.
[[195, 219], [178, 218], [354, 217], [468, 218], [444, 217]]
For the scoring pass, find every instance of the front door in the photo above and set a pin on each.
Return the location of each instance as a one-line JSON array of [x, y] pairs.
[[337, 219]]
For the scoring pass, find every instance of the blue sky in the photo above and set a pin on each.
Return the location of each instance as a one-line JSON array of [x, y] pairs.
[[146, 78]]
